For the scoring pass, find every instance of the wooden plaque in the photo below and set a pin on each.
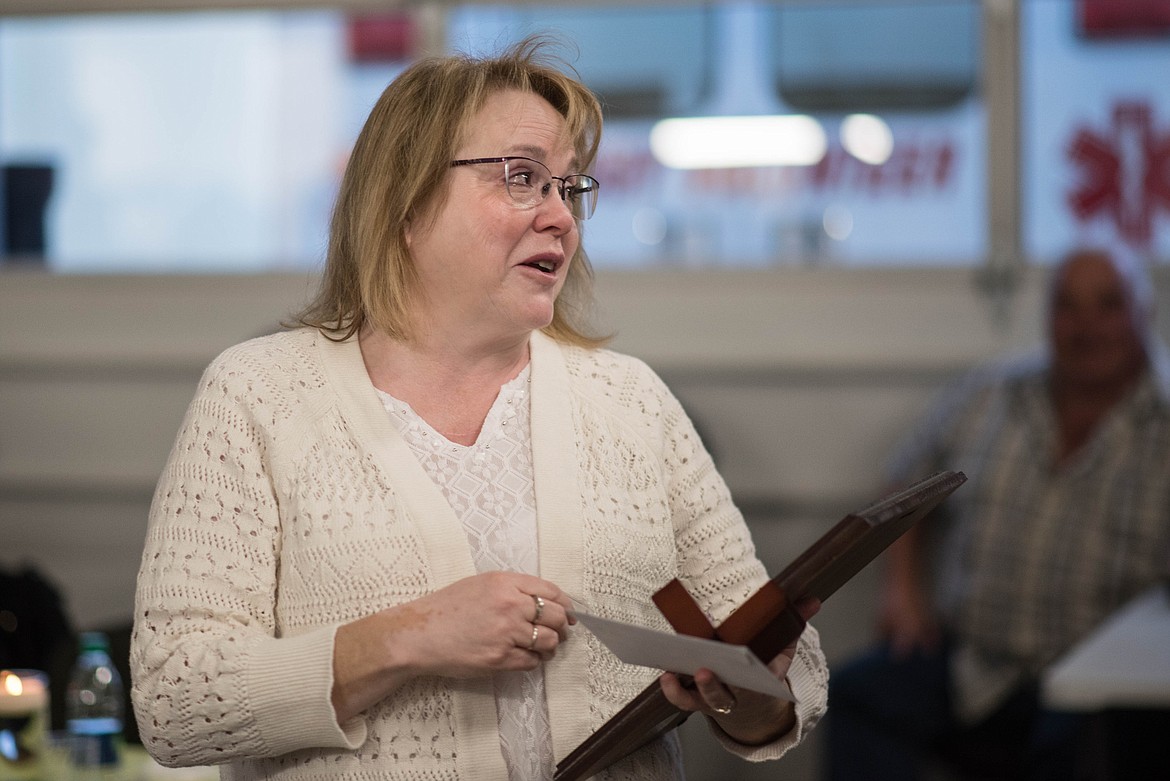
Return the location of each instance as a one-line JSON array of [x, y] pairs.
[[767, 621]]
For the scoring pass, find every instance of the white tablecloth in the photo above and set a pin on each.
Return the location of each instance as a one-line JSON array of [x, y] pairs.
[[1124, 664]]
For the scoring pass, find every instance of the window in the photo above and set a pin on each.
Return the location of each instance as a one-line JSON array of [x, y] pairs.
[[918, 202], [177, 142], [213, 141], [1096, 126]]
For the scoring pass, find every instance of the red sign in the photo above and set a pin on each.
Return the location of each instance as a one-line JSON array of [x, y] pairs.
[[1125, 172], [914, 166], [386, 37], [1123, 18]]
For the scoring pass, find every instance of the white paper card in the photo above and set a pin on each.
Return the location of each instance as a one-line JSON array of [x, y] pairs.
[[734, 664]]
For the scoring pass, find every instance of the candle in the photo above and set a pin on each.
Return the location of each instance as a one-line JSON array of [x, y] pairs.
[[24, 701], [22, 692]]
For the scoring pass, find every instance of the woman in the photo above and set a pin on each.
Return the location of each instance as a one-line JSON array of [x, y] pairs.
[[366, 544]]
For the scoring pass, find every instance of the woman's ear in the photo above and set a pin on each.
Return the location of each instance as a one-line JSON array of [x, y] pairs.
[[416, 219]]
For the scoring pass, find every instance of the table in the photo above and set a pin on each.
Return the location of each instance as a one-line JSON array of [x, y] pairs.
[[1125, 663], [136, 766], [1119, 678]]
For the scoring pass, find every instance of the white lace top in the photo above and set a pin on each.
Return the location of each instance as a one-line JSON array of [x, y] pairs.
[[490, 486]]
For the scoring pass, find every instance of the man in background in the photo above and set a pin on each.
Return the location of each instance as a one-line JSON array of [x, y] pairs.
[[1066, 517]]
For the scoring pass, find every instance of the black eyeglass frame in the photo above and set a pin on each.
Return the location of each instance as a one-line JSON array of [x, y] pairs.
[[565, 189]]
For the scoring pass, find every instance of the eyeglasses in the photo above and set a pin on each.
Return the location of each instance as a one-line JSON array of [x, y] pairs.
[[529, 182]]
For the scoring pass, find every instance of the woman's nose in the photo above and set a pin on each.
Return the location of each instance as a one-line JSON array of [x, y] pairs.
[[554, 211]]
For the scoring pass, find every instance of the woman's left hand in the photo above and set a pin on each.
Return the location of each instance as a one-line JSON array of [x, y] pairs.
[[747, 717]]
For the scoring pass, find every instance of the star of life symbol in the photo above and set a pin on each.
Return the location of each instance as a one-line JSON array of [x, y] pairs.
[[1125, 172]]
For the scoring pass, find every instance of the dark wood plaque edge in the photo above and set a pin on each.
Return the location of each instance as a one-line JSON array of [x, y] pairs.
[[767, 621]]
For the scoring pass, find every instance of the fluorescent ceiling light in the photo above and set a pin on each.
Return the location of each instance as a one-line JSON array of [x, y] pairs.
[[738, 142], [868, 138]]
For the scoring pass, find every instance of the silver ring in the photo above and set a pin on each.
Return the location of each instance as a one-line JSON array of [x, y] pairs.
[[539, 608], [535, 632], [724, 710]]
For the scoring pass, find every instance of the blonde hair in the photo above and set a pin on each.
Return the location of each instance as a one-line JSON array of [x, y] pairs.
[[398, 172]]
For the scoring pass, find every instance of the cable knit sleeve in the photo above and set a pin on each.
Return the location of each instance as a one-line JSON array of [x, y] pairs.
[[718, 565], [212, 681]]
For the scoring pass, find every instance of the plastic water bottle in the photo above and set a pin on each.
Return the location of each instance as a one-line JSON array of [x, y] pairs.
[[93, 709]]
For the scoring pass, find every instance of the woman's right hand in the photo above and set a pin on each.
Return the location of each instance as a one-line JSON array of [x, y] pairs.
[[475, 626]]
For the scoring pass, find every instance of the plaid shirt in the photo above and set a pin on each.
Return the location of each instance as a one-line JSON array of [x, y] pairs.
[[1030, 556]]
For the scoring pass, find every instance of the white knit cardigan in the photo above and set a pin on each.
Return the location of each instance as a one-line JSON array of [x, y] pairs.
[[290, 505]]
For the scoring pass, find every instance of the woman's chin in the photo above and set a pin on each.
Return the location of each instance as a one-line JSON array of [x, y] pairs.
[[539, 317]]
